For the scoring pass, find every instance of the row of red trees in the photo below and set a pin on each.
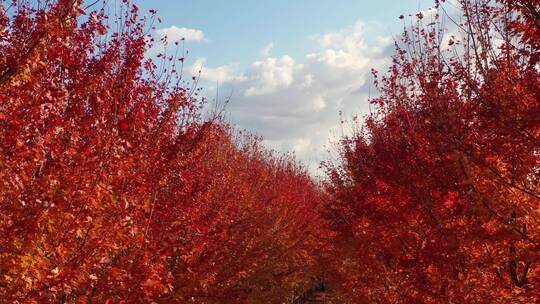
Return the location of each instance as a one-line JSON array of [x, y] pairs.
[[436, 198], [115, 189]]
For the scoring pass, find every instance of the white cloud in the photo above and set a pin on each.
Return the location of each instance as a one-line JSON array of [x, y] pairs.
[[221, 74], [265, 51], [349, 40], [270, 74], [175, 34], [295, 103]]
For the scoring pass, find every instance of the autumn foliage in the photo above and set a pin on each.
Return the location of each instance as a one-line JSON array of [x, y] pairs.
[[115, 189], [117, 186], [437, 196]]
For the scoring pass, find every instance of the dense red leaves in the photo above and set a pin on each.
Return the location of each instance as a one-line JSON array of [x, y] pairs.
[[114, 190], [437, 198]]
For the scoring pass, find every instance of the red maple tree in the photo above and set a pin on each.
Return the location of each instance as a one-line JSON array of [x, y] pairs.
[[436, 197], [114, 189]]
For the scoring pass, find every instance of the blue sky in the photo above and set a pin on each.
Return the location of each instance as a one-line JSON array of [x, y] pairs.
[[237, 30], [290, 66]]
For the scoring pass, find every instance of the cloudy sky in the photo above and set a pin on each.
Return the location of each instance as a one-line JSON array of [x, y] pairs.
[[289, 66]]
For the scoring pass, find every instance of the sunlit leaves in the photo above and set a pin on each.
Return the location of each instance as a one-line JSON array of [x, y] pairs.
[[437, 195], [115, 190]]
